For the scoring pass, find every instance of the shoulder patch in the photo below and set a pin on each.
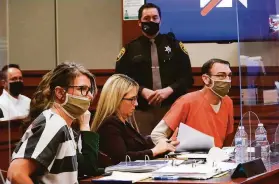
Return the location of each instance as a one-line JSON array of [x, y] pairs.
[[121, 53], [183, 48]]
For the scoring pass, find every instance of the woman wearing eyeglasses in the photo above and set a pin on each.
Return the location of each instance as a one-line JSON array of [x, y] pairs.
[[118, 101], [48, 152]]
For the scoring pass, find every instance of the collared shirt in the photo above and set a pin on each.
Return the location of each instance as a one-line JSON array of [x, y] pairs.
[[135, 61], [14, 108]]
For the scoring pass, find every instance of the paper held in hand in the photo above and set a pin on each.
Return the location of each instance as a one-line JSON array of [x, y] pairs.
[[192, 139]]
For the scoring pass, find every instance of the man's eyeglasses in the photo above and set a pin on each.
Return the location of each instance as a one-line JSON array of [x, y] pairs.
[[132, 100], [223, 76], [84, 90]]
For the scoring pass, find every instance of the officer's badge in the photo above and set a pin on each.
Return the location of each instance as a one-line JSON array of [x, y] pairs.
[[168, 49], [121, 53], [183, 48]]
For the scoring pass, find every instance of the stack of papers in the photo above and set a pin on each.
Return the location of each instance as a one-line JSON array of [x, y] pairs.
[[198, 171], [139, 166], [122, 177], [201, 171]]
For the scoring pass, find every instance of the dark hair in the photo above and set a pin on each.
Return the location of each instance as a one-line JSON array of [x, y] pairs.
[[206, 67], [5, 69], [148, 5], [63, 75]]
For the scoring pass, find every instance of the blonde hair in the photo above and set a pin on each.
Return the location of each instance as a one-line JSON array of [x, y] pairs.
[[115, 88]]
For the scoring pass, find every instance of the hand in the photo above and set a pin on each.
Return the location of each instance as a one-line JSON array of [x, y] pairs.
[[175, 142], [173, 138], [174, 135], [159, 96], [84, 121], [162, 147], [147, 93]]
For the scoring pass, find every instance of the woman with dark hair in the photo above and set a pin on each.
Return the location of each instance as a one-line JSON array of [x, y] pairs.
[[48, 151]]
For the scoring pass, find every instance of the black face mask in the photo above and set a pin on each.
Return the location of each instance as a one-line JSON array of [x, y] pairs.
[[16, 88], [150, 28]]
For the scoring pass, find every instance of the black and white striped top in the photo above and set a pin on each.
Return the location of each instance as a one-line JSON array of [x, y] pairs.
[[51, 143]]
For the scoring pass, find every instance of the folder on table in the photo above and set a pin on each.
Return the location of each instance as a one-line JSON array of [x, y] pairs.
[[139, 166]]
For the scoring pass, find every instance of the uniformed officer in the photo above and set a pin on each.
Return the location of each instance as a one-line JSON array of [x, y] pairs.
[[161, 66]]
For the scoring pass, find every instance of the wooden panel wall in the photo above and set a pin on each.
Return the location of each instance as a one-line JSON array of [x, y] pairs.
[[32, 79], [12, 129], [130, 29]]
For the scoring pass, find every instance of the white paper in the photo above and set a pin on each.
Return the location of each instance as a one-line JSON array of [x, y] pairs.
[[270, 96], [187, 155], [216, 154], [131, 8], [229, 150], [126, 176], [226, 166], [192, 139]]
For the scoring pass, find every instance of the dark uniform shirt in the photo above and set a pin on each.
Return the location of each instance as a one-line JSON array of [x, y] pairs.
[[134, 60]]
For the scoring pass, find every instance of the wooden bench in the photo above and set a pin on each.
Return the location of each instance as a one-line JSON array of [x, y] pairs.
[[13, 130], [261, 81]]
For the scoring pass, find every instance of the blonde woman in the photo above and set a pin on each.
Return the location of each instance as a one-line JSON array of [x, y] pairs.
[[118, 138]]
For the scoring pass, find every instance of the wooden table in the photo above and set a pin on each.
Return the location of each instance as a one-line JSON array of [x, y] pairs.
[[269, 177]]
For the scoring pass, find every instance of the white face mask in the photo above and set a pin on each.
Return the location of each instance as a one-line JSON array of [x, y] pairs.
[[74, 106]]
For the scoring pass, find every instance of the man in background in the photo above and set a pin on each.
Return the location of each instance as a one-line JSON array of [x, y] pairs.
[[208, 110], [12, 103], [161, 66]]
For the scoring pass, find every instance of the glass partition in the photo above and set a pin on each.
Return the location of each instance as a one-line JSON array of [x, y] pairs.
[[255, 83], [5, 146], [259, 71]]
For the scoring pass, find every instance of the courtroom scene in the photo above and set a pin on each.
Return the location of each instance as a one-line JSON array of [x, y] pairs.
[[139, 91]]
